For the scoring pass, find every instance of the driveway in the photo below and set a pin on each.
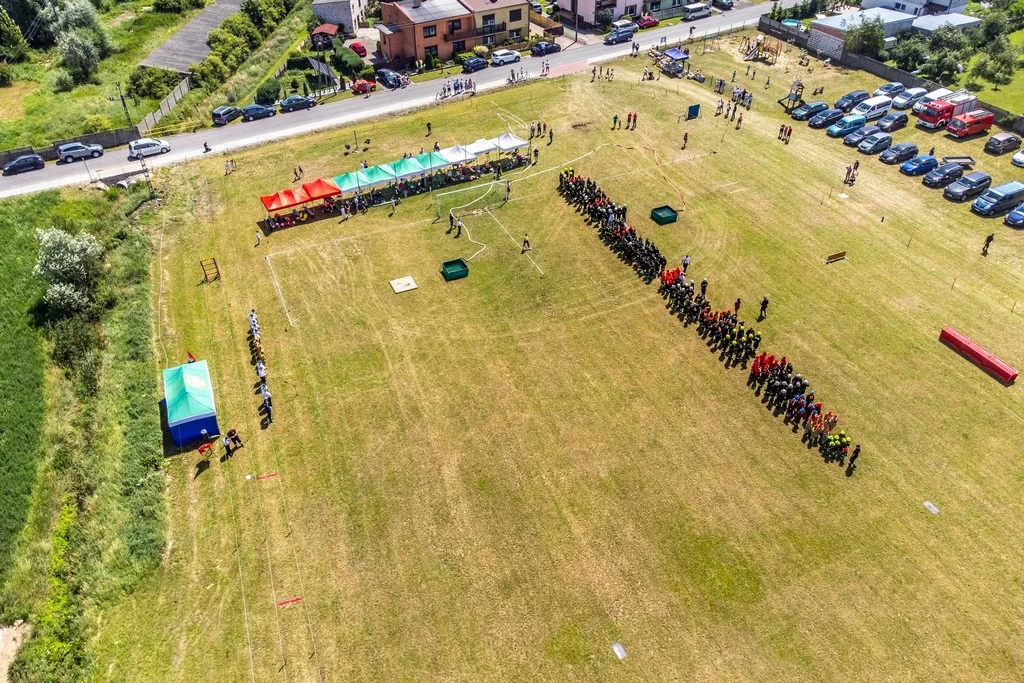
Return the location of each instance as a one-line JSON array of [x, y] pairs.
[[188, 46]]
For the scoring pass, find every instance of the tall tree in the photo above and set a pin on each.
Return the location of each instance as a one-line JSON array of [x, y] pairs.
[[36, 19], [12, 43]]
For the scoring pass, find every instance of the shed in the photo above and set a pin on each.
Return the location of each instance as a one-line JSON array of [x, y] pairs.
[[188, 398], [933, 21], [828, 35], [323, 34]]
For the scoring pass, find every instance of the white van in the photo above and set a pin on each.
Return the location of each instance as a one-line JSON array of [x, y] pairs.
[[625, 25], [697, 10], [874, 107], [931, 97]]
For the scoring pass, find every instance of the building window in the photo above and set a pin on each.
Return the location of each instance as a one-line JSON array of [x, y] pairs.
[[515, 34], [459, 46], [429, 31], [454, 25], [900, 6], [631, 10], [488, 19], [489, 40], [432, 50], [655, 6], [515, 15], [677, 3]]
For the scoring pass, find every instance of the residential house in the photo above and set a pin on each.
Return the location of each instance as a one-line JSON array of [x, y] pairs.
[[412, 29], [588, 9], [346, 14], [496, 21], [828, 35], [918, 8]]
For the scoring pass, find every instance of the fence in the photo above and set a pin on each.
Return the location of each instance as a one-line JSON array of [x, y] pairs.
[[551, 27], [166, 105], [106, 138], [883, 71]]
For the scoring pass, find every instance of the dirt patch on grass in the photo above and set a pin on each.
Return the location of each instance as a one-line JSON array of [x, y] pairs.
[[12, 99], [121, 18], [11, 638]]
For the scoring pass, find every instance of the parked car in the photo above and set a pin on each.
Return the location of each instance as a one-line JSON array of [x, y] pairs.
[[873, 144], [826, 118], [895, 121], [78, 150], [808, 109], [857, 136], [943, 175], [1000, 199], [891, 89], [1018, 159], [389, 79], [618, 36], [722, 4], [970, 185], [1001, 143], [647, 21], [919, 165], [297, 102], [26, 162], [363, 86], [225, 115], [1015, 219], [545, 48], [898, 153], [473, 64], [358, 48], [851, 100], [147, 147], [908, 98], [252, 112], [502, 57], [536, 6], [845, 126]]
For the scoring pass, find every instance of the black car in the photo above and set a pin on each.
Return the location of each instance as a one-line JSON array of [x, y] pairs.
[[851, 100], [297, 102], [545, 48], [225, 115], [826, 118], [971, 185], [26, 162], [808, 109], [894, 121], [389, 79], [899, 153], [857, 136], [473, 64], [257, 111], [943, 175]]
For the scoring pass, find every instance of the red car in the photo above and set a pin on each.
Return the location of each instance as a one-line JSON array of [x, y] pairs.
[[647, 22], [363, 86], [358, 49]]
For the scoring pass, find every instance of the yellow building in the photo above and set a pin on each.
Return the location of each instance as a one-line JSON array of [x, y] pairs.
[[499, 20]]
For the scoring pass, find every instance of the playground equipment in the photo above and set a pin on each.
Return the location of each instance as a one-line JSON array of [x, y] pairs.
[[761, 47], [795, 98]]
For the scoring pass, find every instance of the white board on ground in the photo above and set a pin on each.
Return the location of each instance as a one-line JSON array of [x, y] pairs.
[[619, 651], [930, 506], [403, 284]]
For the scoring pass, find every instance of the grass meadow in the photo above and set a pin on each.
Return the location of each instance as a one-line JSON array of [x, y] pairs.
[[500, 477]]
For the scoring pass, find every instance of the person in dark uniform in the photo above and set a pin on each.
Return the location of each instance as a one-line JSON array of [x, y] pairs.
[[764, 307]]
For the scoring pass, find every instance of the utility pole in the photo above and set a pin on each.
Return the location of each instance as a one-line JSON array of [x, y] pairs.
[[124, 105]]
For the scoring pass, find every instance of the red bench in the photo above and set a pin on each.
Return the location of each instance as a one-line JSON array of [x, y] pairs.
[[979, 354]]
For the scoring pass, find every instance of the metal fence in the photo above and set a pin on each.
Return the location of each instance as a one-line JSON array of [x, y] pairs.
[[883, 71], [166, 105]]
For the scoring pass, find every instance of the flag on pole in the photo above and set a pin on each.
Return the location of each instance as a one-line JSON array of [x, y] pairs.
[[191, 358]]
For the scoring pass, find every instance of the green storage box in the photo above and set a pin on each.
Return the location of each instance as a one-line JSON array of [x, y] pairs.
[[454, 269], [663, 215]]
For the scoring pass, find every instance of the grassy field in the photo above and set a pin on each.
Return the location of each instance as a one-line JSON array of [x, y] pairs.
[[498, 478], [1010, 96], [35, 115]]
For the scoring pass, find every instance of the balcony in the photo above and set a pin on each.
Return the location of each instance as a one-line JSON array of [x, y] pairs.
[[461, 34], [491, 29]]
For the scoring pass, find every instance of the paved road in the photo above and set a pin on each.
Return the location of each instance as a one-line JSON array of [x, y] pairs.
[[351, 109]]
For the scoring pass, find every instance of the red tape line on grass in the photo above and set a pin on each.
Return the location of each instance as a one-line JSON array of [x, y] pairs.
[[266, 476], [289, 602]]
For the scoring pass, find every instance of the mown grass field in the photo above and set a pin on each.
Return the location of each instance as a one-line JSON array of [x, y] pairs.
[[497, 478]]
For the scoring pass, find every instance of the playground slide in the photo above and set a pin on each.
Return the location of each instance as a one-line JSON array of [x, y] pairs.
[[751, 54]]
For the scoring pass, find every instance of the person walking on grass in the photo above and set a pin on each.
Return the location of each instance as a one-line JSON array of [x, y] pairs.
[[739, 122], [768, 83], [686, 139], [533, 130], [227, 446], [789, 133], [988, 243], [268, 410], [508, 190], [430, 128], [259, 238], [526, 244], [451, 221], [736, 306], [764, 307], [458, 228], [686, 263], [551, 136], [634, 120], [615, 121], [394, 206], [704, 287]]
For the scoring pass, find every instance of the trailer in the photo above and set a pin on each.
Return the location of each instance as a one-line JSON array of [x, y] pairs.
[[964, 160]]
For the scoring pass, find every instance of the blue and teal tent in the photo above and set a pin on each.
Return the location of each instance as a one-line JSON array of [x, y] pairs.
[[188, 394]]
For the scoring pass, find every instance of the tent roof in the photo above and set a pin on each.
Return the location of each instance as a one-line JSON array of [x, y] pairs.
[[285, 199], [320, 188], [406, 168], [509, 142], [189, 393], [481, 146], [457, 154], [379, 174], [431, 161], [677, 55], [349, 182]]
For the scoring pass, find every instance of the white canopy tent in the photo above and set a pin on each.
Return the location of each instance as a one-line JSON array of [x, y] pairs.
[[509, 142], [481, 146], [457, 154]]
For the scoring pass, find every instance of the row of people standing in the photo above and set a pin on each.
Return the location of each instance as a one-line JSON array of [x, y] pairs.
[[260, 358]]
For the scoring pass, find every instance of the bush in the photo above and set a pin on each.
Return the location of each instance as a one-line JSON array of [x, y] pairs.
[[210, 73], [6, 75], [177, 6], [242, 26], [79, 55], [94, 123], [232, 49], [367, 72], [346, 60], [67, 258], [73, 339], [62, 81], [603, 17], [268, 91], [264, 14], [152, 82], [62, 299], [481, 51]]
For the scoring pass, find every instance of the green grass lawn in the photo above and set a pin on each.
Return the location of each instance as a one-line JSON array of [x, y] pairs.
[[1009, 97], [498, 478], [38, 115]]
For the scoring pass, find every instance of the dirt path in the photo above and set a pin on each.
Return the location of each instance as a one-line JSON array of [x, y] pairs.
[[11, 638]]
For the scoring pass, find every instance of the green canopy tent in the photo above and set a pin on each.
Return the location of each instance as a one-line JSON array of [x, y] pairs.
[[351, 182], [406, 168], [378, 175], [432, 161], [188, 398]]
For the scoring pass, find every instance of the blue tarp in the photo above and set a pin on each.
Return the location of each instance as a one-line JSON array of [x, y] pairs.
[[188, 398], [677, 54]]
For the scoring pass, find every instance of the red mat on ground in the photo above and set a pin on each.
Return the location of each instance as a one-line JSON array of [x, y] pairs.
[[979, 354]]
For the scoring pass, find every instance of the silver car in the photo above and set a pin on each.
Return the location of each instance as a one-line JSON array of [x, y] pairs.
[[73, 151], [144, 147]]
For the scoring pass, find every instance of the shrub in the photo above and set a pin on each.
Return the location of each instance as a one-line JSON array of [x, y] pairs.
[[367, 72], [63, 299], [264, 14], [232, 49], [62, 81], [12, 43], [73, 339], [67, 258], [268, 91], [6, 75], [177, 6], [152, 82], [346, 60], [94, 123], [242, 26], [603, 17], [481, 51], [79, 55], [210, 73]]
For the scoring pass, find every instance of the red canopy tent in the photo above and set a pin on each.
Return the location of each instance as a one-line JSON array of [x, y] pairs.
[[320, 188], [285, 199]]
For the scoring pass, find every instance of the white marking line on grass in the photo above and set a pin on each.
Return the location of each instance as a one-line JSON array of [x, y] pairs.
[[722, 187], [241, 579], [280, 294], [737, 190], [930, 506], [526, 253]]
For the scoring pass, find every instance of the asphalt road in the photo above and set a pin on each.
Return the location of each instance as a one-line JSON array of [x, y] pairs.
[[350, 109]]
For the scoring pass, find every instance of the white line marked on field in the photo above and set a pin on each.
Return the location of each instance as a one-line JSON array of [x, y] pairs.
[[280, 294], [741, 189], [722, 187], [514, 241]]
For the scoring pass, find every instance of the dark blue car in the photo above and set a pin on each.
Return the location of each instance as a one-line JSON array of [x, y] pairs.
[[257, 111], [808, 109], [473, 64], [919, 165], [1015, 218], [826, 118]]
